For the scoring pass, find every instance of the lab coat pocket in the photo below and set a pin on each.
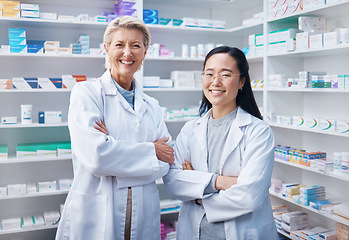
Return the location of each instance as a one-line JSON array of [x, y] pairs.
[[87, 216], [266, 231]]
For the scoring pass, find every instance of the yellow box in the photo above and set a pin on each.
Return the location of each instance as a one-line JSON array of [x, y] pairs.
[[11, 13], [11, 5]]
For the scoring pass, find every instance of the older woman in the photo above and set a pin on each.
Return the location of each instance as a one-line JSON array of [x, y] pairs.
[[119, 146]]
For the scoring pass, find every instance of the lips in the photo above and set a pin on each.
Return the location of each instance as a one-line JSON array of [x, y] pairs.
[[127, 62]]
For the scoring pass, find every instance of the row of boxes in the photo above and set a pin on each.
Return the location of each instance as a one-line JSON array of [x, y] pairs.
[[151, 16], [31, 222], [36, 187], [66, 82], [52, 149]]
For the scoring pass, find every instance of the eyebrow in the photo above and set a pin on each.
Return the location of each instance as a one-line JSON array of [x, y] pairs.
[[224, 69]]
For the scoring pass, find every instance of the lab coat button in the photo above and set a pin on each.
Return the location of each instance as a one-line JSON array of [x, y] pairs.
[[121, 208]]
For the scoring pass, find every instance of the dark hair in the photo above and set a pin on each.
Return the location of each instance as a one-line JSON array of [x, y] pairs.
[[245, 98]]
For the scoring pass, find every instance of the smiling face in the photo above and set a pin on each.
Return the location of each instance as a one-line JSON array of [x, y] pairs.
[[221, 83], [126, 53]]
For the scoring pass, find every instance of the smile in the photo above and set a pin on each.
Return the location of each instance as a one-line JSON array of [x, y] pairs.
[[127, 62]]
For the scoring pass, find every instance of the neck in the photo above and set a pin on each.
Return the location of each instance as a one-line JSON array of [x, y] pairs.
[[124, 82], [221, 111]]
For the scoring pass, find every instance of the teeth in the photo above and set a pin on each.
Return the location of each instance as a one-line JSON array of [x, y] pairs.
[[127, 62], [215, 91]]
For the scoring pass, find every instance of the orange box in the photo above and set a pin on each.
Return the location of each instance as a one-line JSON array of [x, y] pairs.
[[11, 13], [11, 5]]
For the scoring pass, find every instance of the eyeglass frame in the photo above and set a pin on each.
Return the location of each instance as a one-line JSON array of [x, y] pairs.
[[219, 74]]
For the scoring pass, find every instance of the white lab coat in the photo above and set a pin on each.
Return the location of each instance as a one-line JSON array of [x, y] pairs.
[[105, 166], [245, 208]]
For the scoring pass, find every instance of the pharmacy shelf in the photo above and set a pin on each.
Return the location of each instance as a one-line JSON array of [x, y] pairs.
[[172, 89], [33, 125], [316, 52], [102, 25], [170, 212], [255, 28], [333, 217], [181, 120], [2, 232], [254, 59], [307, 130], [35, 159], [311, 90], [343, 177], [175, 59], [47, 55], [175, 29], [38, 194], [284, 233], [328, 10], [34, 90]]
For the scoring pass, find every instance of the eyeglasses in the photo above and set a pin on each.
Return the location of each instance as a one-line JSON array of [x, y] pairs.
[[224, 76]]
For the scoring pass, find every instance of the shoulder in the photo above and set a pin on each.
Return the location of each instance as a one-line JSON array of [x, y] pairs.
[[87, 89], [258, 128]]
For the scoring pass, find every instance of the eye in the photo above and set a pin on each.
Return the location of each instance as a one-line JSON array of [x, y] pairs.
[[136, 46], [118, 45], [208, 74]]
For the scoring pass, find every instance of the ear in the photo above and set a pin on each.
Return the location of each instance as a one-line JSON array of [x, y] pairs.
[[105, 47], [242, 82]]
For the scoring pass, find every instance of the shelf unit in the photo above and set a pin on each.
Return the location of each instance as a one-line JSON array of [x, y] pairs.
[[45, 65], [320, 103]]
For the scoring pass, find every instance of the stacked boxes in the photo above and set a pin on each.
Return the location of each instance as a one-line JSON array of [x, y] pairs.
[[50, 83], [84, 41], [51, 47], [311, 194], [282, 41], [293, 221], [11, 9], [17, 40], [30, 10], [123, 8], [186, 79]]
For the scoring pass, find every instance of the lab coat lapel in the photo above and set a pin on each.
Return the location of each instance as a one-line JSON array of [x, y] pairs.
[[235, 135], [200, 133], [139, 104], [110, 89]]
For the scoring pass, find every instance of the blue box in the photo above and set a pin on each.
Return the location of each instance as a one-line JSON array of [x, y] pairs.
[[57, 82], [18, 49], [35, 48], [150, 16], [33, 82], [17, 32]]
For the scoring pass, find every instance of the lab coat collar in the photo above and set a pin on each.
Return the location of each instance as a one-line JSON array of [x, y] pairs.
[[234, 136], [109, 88]]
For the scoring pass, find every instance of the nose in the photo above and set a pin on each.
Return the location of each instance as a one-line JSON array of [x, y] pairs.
[[216, 81], [127, 51]]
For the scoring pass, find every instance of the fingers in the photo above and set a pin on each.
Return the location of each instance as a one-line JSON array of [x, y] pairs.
[[187, 165], [164, 140], [101, 127]]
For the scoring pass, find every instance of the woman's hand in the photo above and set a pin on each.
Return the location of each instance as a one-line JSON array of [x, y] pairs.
[[164, 152], [187, 165], [225, 182], [101, 127]]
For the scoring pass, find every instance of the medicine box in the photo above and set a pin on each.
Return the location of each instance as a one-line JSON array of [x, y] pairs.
[[29, 7], [327, 125], [205, 23], [30, 14], [316, 41], [49, 186], [16, 189], [50, 117], [27, 150], [331, 39], [150, 16], [190, 22], [68, 81], [8, 120], [11, 224], [20, 83], [302, 40], [51, 217], [47, 83], [46, 149], [219, 24], [3, 152], [27, 223], [18, 49], [342, 126], [46, 15], [64, 184], [63, 148], [38, 221], [177, 22]]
